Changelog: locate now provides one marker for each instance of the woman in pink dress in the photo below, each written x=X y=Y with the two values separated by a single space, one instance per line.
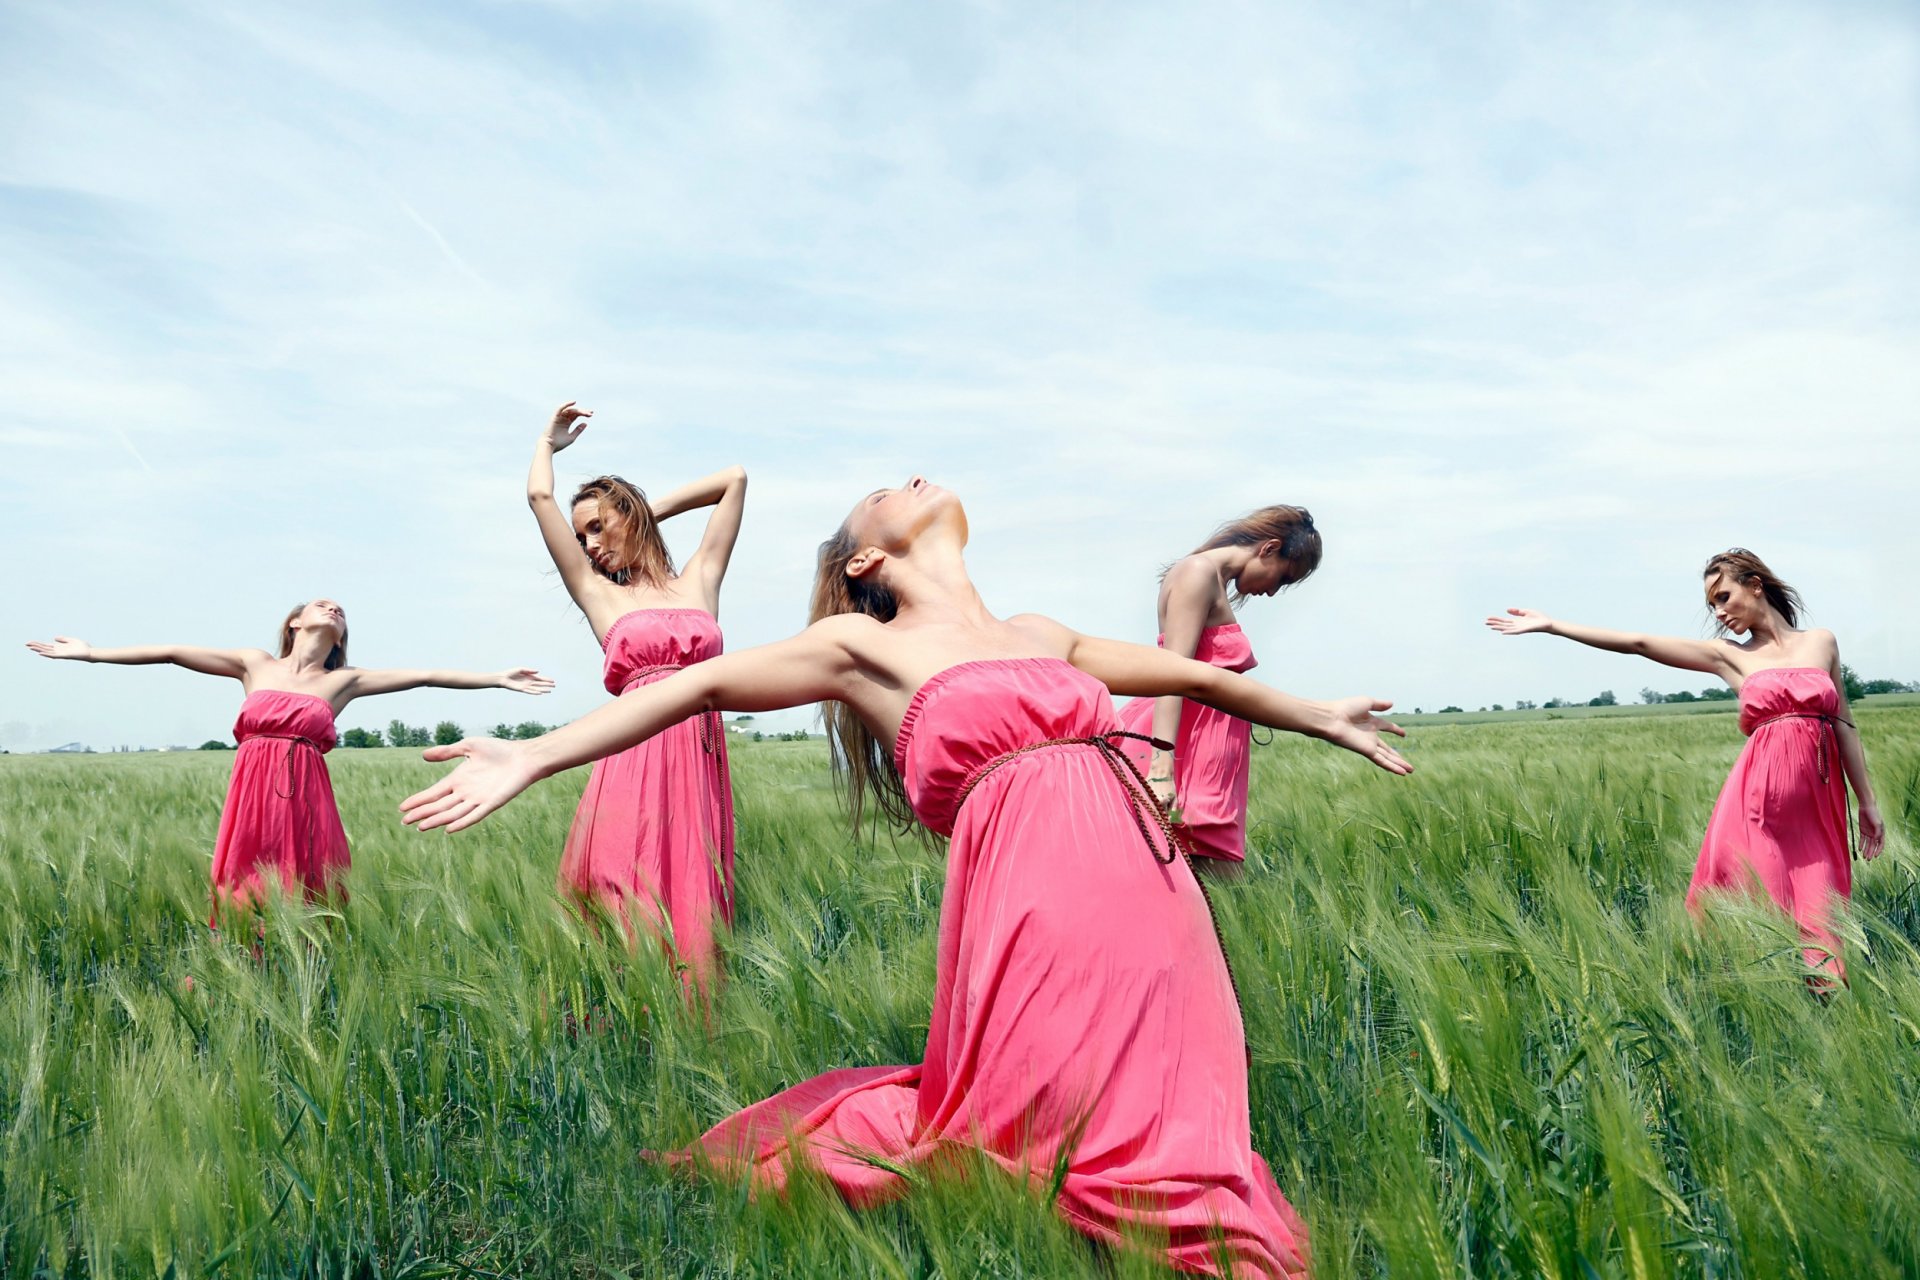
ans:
x=1084 y=1032
x=1196 y=759
x=655 y=825
x=1781 y=819
x=280 y=819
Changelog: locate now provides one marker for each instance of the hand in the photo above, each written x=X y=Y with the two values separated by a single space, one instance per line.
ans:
x=568 y=422
x=491 y=773
x=1529 y=620
x=62 y=647
x=1163 y=791
x=1873 y=832
x=525 y=680
x=1358 y=730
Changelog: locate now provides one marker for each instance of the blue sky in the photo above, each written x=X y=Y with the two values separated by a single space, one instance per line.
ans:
x=1531 y=304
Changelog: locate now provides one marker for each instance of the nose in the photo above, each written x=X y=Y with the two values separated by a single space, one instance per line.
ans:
x=914 y=482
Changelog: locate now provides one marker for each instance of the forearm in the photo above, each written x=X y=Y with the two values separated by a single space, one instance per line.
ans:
x=461 y=680
x=136 y=655
x=704 y=492
x=628 y=720
x=1166 y=728
x=1262 y=704
x=1601 y=637
x=1853 y=760
x=540 y=473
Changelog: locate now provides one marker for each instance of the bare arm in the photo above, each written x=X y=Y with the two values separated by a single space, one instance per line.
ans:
x=726 y=492
x=1191 y=587
x=213 y=662
x=810 y=667
x=1710 y=656
x=368 y=684
x=1853 y=760
x=1140 y=671
x=576 y=571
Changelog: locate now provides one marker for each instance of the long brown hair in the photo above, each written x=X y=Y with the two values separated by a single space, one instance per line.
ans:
x=632 y=534
x=336 y=657
x=860 y=764
x=1291 y=527
x=1749 y=570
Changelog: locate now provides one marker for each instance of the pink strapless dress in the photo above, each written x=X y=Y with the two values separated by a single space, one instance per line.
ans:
x=655 y=824
x=1084 y=1026
x=1781 y=818
x=280 y=816
x=1212 y=756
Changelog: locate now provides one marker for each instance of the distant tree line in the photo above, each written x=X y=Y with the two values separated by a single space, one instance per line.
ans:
x=1856 y=688
x=401 y=734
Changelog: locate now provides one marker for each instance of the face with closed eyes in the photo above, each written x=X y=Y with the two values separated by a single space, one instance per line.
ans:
x=888 y=522
x=323 y=615
x=1736 y=605
x=594 y=536
x=1266 y=572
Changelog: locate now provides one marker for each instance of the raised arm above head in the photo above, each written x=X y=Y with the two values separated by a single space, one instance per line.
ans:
x=1139 y=671
x=556 y=530
x=1713 y=656
x=233 y=663
x=726 y=492
x=813 y=666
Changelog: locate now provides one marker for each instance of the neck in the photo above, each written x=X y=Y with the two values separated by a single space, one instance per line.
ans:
x=310 y=650
x=936 y=589
x=1770 y=629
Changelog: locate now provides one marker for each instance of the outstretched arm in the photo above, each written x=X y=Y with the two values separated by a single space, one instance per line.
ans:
x=367 y=684
x=1673 y=651
x=726 y=492
x=576 y=571
x=212 y=662
x=811 y=667
x=1853 y=759
x=1191 y=586
x=1142 y=672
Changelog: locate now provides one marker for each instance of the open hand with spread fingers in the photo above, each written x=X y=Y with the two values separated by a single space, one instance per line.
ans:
x=1358 y=729
x=525 y=680
x=569 y=420
x=491 y=772
x=1520 y=623
x=62 y=647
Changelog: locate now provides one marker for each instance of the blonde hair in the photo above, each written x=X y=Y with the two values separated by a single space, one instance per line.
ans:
x=336 y=657
x=633 y=535
x=860 y=764
x=1291 y=527
x=1749 y=570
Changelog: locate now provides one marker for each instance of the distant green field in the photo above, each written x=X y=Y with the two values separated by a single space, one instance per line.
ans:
x=1878 y=701
x=1487 y=1039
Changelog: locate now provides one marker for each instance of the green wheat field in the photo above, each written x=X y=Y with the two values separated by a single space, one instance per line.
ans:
x=1487 y=1039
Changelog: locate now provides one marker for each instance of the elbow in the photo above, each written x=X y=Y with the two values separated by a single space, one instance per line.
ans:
x=536 y=496
x=737 y=476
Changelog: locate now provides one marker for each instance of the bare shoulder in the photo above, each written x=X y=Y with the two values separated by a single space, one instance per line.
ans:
x=1192 y=576
x=1050 y=634
x=1824 y=642
x=857 y=635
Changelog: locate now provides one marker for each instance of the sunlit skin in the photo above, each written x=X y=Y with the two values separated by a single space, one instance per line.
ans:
x=584 y=550
x=318 y=627
x=912 y=541
x=1196 y=594
x=1767 y=643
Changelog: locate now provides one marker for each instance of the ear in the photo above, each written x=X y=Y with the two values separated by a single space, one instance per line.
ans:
x=1271 y=547
x=865 y=561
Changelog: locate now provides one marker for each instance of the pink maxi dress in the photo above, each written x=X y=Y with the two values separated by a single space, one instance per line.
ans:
x=280 y=817
x=655 y=824
x=1781 y=818
x=1212 y=757
x=1083 y=1017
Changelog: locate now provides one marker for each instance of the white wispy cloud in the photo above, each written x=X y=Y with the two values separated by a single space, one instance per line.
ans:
x=1529 y=304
